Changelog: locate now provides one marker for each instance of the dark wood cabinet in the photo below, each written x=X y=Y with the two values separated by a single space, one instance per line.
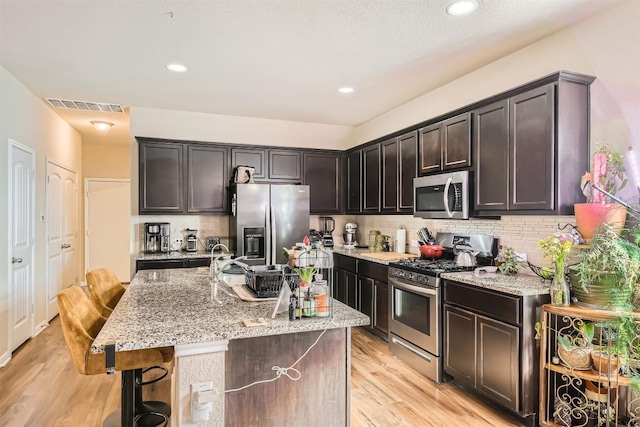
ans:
x=345 y=283
x=322 y=173
x=490 y=346
x=285 y=165
x=531 y=148
x=491 y=151
x=365 y=297
x=161 y=178
x=371 y=178
x=460 y=344
x=254 y=157
x=497 y=372
x=390 y=163
x=354 y=179
x=162 y=264
x=446 y=145
x=207 y=180
x=381 y=307
x=407 y=170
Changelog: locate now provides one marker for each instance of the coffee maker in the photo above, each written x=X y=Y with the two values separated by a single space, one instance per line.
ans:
x=156 y=237
x=328 y=225
x=191 y=240
x=349 y=235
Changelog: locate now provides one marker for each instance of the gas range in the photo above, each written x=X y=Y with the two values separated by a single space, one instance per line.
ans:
x=423 y=272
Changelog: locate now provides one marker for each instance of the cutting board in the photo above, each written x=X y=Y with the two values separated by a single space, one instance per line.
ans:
x=388 y=256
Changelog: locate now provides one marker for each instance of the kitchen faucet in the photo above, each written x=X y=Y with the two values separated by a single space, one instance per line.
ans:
x=217 y=270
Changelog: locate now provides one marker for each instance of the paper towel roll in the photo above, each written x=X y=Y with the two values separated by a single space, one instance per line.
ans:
x=401 y=240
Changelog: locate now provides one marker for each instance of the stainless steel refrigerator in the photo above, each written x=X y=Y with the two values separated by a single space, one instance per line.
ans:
x=267 y=218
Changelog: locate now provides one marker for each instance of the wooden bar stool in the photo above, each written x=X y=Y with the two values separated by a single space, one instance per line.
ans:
x=81 y=323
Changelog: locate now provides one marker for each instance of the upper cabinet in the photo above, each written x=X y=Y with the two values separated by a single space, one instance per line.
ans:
x=371 y=178
x=161 y=178
x=285 y=165
x=207 y=180
x=254 y=157
x=389 y=152
x=446 y=145
x=177 y=178
x=322 y=173
x=399 y=167
x=269 y=164
x=531 y=148
x=354 y=181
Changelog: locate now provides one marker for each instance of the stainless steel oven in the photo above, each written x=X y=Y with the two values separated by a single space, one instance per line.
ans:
x=415 y=321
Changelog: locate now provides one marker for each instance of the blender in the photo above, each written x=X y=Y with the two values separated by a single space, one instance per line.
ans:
x=328 y=225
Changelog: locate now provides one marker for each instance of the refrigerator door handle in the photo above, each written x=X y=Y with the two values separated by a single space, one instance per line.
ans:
x=273 y=237
x=267 y=239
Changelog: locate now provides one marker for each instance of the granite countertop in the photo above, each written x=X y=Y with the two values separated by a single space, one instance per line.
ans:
x=365 y=254
x=519 y=284
x=172 y=255
x=181 y=306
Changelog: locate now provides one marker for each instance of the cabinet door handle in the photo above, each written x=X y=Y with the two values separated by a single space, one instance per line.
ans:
x=15 y=260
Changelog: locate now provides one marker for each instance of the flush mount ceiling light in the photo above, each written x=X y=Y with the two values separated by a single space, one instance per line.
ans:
x=346 y=90
x=102 y=126
x=176 y=68
x=462 y=7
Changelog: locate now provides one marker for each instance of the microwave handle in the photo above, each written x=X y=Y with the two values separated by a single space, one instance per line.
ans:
x=445 y=198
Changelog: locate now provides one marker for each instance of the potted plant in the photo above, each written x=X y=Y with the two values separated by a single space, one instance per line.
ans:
x=509 y=263
x=607 y=174
x=574 y=347
x=609 y=270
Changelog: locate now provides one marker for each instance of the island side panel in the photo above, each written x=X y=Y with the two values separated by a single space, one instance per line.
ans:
x=319 y=398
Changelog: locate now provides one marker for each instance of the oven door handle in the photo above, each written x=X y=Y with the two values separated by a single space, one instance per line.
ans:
x=411 y=288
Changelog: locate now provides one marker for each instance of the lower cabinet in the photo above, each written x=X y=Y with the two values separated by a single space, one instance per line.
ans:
x=161 y=264
x=363 y=285
x=489 y=345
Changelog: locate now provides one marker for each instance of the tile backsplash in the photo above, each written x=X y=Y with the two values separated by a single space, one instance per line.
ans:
x=520 y=232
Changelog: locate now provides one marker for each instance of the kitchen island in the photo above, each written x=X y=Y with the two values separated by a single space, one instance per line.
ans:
x=183 y=308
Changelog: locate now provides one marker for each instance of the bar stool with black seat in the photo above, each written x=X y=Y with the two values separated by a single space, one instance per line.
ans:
x=105 y=290
x=81 y=323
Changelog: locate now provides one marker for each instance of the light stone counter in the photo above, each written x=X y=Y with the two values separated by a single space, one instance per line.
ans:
x=365 y=254
x=180 y=306
x=519 y=284
x=172 y=255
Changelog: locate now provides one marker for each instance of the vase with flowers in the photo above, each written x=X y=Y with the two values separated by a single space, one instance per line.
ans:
x=556 y=248
x=608 y=173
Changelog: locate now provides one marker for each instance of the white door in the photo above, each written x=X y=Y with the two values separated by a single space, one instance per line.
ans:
x=21 y=241
x=62 y=233
x=107 y=219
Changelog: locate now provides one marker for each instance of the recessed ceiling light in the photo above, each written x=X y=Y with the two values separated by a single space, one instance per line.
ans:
x=102 y=126
x=346 y=89
x=176 y=68
x=462 y=7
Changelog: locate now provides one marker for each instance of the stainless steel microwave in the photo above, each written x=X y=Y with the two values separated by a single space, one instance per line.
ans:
x=442 y=196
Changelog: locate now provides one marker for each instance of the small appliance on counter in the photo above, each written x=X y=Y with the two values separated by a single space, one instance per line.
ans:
x=191 y=240
x=314 y=236
x=156 y=237
x=328 y=225
x=212 y=241
x=349 y=235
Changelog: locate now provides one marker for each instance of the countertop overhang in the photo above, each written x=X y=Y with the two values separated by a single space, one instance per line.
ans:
x=182 y=306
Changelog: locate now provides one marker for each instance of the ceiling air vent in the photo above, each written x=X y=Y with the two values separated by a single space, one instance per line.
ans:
x=84 y=105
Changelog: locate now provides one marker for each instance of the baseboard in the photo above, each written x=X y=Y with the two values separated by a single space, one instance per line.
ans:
x=41 y=327
x=5 y=359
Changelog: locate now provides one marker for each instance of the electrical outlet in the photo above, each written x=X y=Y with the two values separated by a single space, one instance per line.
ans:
x=522 y=256
x=205 y=386
x=414 y=243
x=178 y=240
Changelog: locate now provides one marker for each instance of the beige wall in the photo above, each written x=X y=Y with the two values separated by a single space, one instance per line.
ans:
x=26 y=119
x=101 y=160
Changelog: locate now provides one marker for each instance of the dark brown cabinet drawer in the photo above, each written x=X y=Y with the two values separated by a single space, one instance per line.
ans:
x=161 y=264
x=493 y=304
x=373 y=270
x=344 y=262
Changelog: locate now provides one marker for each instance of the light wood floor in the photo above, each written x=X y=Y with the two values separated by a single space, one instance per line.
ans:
x=41 y=388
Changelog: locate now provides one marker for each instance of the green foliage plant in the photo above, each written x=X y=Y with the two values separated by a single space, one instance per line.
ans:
x=511 y=263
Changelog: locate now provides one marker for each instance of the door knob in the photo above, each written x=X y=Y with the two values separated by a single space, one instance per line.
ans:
x=15 y=260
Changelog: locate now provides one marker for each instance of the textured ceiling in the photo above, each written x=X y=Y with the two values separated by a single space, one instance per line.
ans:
x=264 y=58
